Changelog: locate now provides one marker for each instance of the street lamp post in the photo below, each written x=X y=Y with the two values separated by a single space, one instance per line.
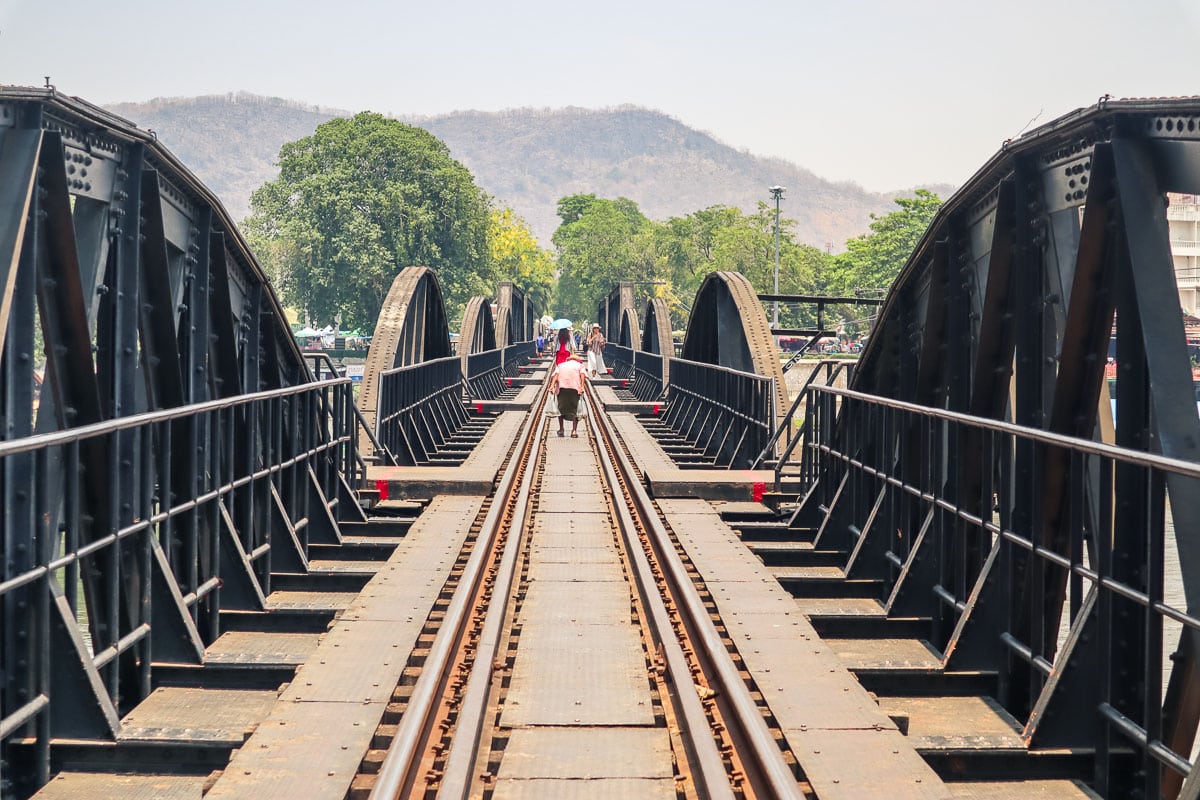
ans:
x=777 y=193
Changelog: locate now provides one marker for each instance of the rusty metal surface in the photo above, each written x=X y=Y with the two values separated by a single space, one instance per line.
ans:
x=728 y=327
x=315 y=737
x=558 y=503
x=600 y=789
x=586 y=753
x=94 y=785
x=563 y=551
x=572 y=484
x=255 y=647
x=179 y=714
x=582 y=572
x=810 y=692
x=546 y=601
x=579 y=675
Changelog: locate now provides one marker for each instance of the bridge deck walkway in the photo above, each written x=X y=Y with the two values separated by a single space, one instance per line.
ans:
x=580 y=681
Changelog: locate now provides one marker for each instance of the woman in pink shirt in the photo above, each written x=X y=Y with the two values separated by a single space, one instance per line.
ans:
x=567 y=384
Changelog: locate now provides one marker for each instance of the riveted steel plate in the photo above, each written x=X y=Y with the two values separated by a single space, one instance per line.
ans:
x=565 y=503
x=588 y=484
x=345 y=566
x=834 y=763
x=309 y=601
x=585 y=537
x=587 y=572
x=91 y=785
x=578 y=675
x=256 y=647
x=355 y=662
x=587 y=753
x=675 y=506
x=546 y=602
x=601 y=789
x=571 y=555
x=905 y=654
x=309 y=750
x=182 y=714
x=498 y=442
x=955 y=723
x=839 y=606
x=573 y=523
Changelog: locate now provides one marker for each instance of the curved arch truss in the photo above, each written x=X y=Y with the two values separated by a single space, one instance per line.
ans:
x=411 y=328
x=656 y=329
x=728 y=327
x=478 y=332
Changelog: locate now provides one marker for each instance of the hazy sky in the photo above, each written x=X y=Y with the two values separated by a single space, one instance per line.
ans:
x=888 y=94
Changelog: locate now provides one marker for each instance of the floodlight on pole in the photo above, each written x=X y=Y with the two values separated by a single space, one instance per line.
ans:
x=777 y=193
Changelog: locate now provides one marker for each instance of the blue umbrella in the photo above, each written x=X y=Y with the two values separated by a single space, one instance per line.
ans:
x=560 y=323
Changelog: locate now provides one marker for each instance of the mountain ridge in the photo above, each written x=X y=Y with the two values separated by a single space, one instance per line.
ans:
x=528 y=158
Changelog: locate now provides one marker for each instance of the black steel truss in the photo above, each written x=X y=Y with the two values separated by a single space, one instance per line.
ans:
x=965 y=470
x=177 y=454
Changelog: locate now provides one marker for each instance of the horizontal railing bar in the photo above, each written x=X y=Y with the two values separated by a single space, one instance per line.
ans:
x=64 y=437
x=14 y=721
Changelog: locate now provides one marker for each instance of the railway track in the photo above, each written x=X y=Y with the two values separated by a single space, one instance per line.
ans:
x=471 y=717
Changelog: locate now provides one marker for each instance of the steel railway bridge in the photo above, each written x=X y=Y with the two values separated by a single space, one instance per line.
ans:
x=966 y=565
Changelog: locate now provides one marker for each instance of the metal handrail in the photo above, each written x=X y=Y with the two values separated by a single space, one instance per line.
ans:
x=868 y=455
x=833 y=367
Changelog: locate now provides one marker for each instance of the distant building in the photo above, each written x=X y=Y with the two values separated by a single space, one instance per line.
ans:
x=1183 y=219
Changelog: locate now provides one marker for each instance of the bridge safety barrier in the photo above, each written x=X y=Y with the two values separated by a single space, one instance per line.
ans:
x=725 y=414
x=485 y=374
x=643 y=370
x=420 y=409
x=126 y=539
x=1049 y=561
x=516 y=356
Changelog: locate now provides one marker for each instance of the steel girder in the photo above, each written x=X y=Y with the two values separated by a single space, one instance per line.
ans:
x=1004 y=313
x=148 y=305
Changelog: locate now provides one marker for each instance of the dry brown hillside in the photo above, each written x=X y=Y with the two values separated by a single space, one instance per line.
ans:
x=527 y=159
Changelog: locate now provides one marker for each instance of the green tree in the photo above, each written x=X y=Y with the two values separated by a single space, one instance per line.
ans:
x=358 y=201
x=873 y=260
x=722 y=238
x=517 y=257
x=599 y=242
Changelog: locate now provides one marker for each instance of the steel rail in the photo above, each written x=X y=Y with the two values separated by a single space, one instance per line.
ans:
x=404 y=752
x=703 y=752
x=764 y=755
x=464 y=750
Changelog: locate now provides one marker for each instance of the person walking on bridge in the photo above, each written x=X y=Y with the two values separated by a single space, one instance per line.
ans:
x=567 y=385
x=564 y=346
x=595 y=344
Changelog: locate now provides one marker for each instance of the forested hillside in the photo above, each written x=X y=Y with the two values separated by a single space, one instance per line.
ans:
x=528 y=159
